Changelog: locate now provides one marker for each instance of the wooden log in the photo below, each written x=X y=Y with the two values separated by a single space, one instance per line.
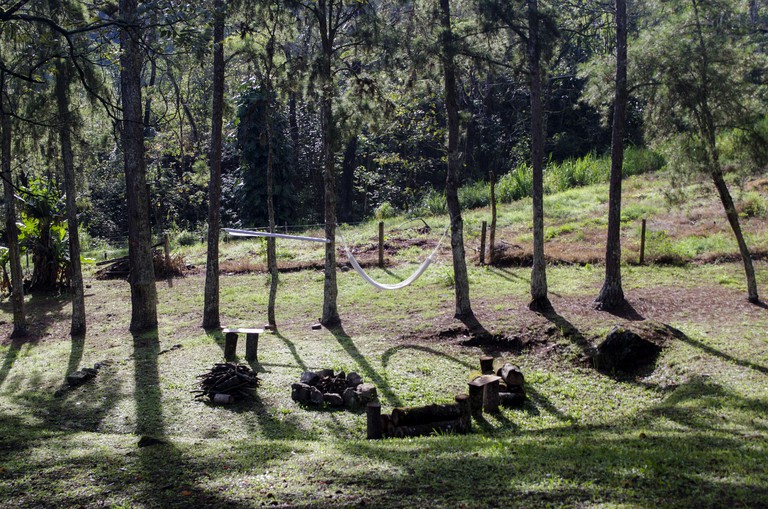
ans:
x=387 y=429
x=462 y=400
x=475 y=399
x=413 y=416
x=512 y=399
x=491 y=397
x=452 y=426
x=486 y=364
x=512 y=376
x=251 y=346
x=373 y=420
x=230 y=345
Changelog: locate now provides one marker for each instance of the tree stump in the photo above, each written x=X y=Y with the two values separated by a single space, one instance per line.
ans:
x=486 y=365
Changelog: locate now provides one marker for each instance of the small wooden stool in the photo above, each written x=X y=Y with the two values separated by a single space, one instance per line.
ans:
x=251 y=343
x=484 y=394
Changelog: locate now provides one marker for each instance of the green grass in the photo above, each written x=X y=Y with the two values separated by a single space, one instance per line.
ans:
x=690 y=432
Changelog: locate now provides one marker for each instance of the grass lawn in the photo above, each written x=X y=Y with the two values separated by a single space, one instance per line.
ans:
x=691 y=431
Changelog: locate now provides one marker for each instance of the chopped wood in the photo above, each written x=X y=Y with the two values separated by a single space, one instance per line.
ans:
x=412 y=416
x=227 y=379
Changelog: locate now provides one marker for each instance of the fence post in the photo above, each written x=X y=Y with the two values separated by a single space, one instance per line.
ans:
x=482 y=242
x=167 y=249
x=381 y=244
x=642 y=243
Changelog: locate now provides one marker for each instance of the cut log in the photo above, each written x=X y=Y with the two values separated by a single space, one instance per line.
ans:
x=512 y=376
x=373 y=420
x=251 y=346
x=414 y=416
x=462 y=400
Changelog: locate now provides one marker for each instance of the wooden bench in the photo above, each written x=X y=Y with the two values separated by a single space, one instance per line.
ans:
x=251 y=342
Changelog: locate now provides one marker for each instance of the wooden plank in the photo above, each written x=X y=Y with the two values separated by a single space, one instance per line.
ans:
x=242 y=330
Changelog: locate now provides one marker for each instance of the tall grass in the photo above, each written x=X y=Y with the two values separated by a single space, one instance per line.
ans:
x=518 y=183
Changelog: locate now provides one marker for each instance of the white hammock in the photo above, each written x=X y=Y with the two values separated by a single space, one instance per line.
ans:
x=251 y=233
x=395 y=286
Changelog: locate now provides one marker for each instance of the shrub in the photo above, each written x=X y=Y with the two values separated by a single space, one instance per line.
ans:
x=753 y=204
x=475 y=195
x=432 y=204
x=187 y=238
x=515 y=185
x=385 y=211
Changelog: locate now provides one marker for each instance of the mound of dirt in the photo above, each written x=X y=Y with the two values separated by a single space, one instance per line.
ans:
x=632 y=348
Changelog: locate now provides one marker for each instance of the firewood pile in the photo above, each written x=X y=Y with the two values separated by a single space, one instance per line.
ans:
x=227 y=383
x=119 y=268
x=335 y=390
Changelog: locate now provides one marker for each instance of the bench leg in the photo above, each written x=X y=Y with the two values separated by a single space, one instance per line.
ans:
x=251 y=347
x=230 y=345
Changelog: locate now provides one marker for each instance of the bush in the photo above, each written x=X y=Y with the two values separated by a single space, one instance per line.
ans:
x=753 y=204
x=475 y=195
x=515 y=185
x=432 y=204
x=641 y=160
x=187 y=238
x=385 y=211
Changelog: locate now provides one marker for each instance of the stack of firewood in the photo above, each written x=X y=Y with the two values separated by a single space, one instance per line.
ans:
x=226 y=383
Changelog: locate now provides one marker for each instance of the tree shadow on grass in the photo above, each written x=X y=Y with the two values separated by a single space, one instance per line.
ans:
x=568 y=330
x=10 y=358
x=386 y=356
x=722 y=355
x=43 y=311
x=294 y=352
x=566 y=467
x=368 y=371
x=626 y=311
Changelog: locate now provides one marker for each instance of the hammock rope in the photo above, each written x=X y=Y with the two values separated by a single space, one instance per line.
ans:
x=395 y=286
x=251 y=233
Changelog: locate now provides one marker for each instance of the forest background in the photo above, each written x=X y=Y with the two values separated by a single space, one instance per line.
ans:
x=348 y=96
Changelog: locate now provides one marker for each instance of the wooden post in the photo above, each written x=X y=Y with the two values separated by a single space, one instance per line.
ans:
x=466 y=412
x=373 y=419
x=491 y=397
x=251 y=346
x=167 y=249
x=486 y=365
x=230 y=345
x=475 y=399
x=381 y=244
x=482 y=242
x=642 y=243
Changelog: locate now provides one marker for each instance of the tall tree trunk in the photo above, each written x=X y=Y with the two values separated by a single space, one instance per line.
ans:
x=211 y=318
x=142 y=278
x=612 y=295
x=539 y=299
x=733 y=220
x=271 y=241
x=65 y=124
x=11 y=230
x=463 y=306
x=330 y=315
x=492 y=232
